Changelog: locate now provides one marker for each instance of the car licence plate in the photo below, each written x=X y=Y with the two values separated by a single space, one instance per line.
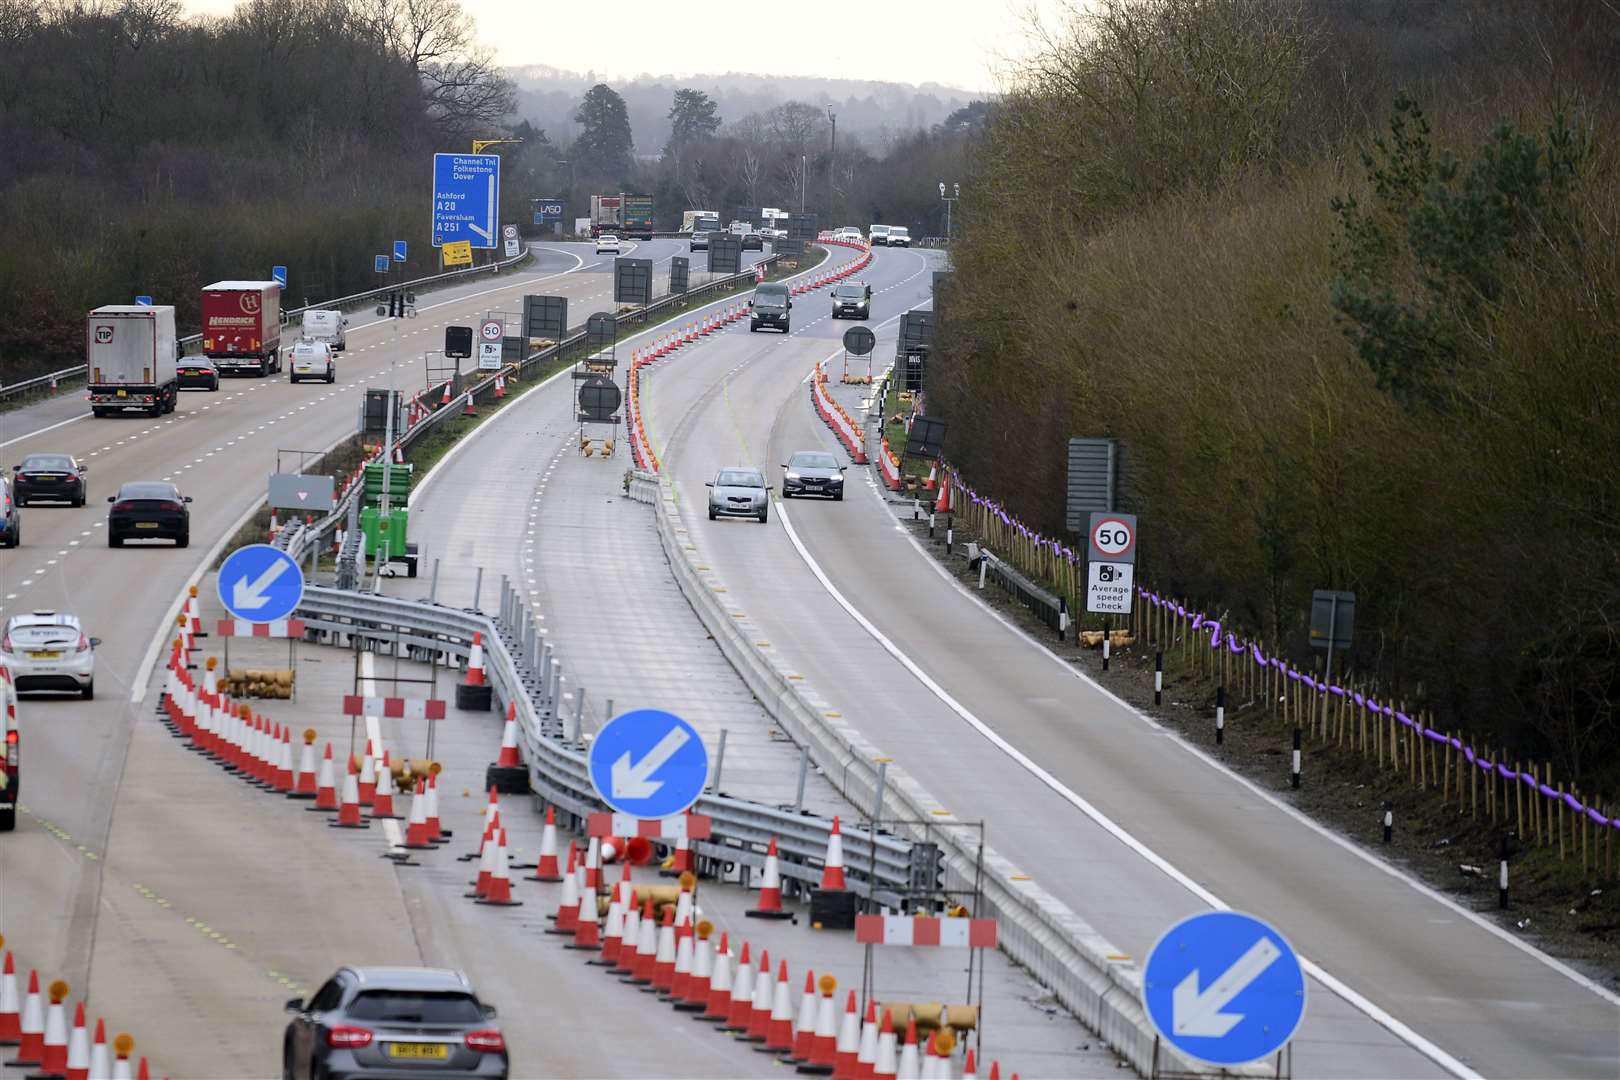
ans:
x=433 y=1051
x=49 y=654
x=123 y=393
x=146 y=525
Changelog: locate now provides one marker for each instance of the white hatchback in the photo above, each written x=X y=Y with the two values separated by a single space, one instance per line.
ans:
x=47 y=650
x=312 y=360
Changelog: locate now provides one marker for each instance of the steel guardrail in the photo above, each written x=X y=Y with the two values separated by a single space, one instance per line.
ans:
x=339 y=303
x=558 y=770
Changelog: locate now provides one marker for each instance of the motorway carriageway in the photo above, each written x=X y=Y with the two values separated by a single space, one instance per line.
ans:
x=64 y=894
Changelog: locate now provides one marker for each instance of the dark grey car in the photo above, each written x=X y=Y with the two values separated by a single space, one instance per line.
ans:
x=813 y=472
x=739 y=492
x=389 y=1022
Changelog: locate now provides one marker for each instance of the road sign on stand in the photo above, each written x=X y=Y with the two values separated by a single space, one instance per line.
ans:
x=1108 y=588
x=298 y=491
x=1224 y=988
x=144 y=301
x=466 y=198
x=379 y=263
x=1113 y=538
x=491 y=336
x=259 y=583
x=399 y=251
x=279 y=273
x=649 y=764
x=509 y=236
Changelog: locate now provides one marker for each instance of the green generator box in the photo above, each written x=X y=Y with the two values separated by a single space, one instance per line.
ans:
x=377 y=529
x=399 y=483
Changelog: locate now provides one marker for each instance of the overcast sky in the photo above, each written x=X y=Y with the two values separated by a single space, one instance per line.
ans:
x=956 y=42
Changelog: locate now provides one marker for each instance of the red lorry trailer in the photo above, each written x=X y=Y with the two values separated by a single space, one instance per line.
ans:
x=242 y=326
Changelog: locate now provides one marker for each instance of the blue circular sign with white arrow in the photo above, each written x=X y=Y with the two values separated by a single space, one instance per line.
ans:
x=1224 y=988
x=649 y=764
x=261 y=584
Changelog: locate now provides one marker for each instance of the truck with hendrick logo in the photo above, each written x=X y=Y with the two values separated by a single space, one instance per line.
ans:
x=242 y=326
x=129 y=354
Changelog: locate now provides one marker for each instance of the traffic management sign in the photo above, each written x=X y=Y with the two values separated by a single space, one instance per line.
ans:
x=399 y=250
x=144 y=301
x=649 y=764
x=1108 y=588
x=1224 y=988
x=279 y=273
x=1113 y=538
x=259 y=583
x=466 y=198
x=379 y=263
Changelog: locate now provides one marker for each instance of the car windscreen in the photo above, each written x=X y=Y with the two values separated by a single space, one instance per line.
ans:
x=47 y=463
x=148 y=491
x=770 y=296
x=415 y=1007
x=852 y=292
x=706 y=224
x=812 y=461
x=740 y=478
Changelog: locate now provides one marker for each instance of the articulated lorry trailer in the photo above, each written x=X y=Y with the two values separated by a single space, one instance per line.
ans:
x=130 y=351
x=242 y=326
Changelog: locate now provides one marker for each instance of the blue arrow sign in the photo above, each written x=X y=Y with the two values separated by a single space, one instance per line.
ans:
x=1224 y=988
x=399 y=251
x=649 y=764
x=280 y=274
x=466 y=198
x=260 y=584
x=379 y=263
x=144 y=301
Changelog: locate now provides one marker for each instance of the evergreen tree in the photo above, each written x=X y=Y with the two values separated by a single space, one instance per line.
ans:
x=603 y=147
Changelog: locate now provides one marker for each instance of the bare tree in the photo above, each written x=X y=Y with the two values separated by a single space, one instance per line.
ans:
x=460 y=82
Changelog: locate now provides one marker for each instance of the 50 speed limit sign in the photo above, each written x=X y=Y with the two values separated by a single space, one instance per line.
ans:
x=1113 y=538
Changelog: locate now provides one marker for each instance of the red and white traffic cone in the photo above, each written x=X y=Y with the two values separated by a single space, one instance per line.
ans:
x=445 y=398
x=770 y=890
x=681 y=861
x=718 y=998
x=78 y=1050
x=568 y=907
x=587 y=925
x=593 y=864
x=416 y=828
x=54 y=1046
x=779 y=1030
x=832 y=872
x=684 y=940
x=646 y=958
x=933 y=477
x=500 y=881
x=10 y=1008
x=886 y=1063
x=804 y=1028
x=848 y=1045
x=625 y=961
x=910 y=1066
x=942 y=505
x=759 y=1009
x=284 y=763
x=970 y=1067
x=697 y=984
x=349 y=810
x=100 y=1060
x=742 y=994
x=486 y=870
x=475 y=660
x=546 y=868
x=31 y=1033
x=435 y=832
x=367 y=779
x=509 y=758
x=824 y=1043
x=500 y=385
x=663 y=961
x=382 y=800
x=866 y=1052
x=468 y=407
x=326 y=795
x=305 y=784
x=612 y=934
x=123 y=1046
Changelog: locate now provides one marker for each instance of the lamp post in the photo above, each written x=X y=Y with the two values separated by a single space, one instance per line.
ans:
x=956 y=193
x=832 y=159
x=804 y=179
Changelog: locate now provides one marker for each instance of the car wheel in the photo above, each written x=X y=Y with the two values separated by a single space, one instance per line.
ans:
x=293 y=379
x=331 y=377
x=114 y=541
x=8 y=819
x=763 y=516
x=838 y=496
x=88 y=691
x=286 y=1064
x=183 y=540
x=712 y=514
x=21 y=502
x=214 y=385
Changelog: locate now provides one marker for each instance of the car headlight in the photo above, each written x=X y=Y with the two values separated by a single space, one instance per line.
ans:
x=794 y=476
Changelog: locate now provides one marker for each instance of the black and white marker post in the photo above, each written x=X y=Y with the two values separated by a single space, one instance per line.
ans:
x=1063 y=619
x=1502 y=877
x=1108 y=633
x=1294 y=780
x=1389 y=820
x=1158 y=676
x=1220 y=715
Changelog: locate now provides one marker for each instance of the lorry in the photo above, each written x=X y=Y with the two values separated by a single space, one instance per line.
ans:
x=327 y=327
x=624 y=216
x=242 y=326
x=689 y=218
x=638 y=217
x=607 y=212
x=130 y=353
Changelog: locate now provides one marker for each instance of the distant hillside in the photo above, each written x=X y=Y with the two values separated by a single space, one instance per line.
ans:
x=875 y=112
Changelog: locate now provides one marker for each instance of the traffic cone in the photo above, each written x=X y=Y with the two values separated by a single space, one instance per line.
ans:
x=100 y=1066
x=933 y=477
x=970 y=1068
x=593 y=864
x=759 y=1007
x=54 y=1047
x=824 y=1042
x=435 y=833
x=141 y=1072
x=779 y=1030
x=500 y=882
x=305 y=785
x=500 y=385
x=832 y=873
x=326 y=790
x=848 y=1045
x=546 y=868
x=416 y=830
x=568 y=907
x=78 y=1050
x=587 y=926
x=886 y=1062
x=940 y=1048
x=662 y=968
x=683 y=966
x=382 y=800
x=468 y=408
x=742 y=994
x=486 y=870
x=646 y=955
x=367 y=780
x=866 y=1052
x=909 y=1067
x=612 y=935
x=696 y=994
x=625 y=963
x=123 y=1046
x=681 y=861
x=10 y=1010
x=284 y=761
x=445 y=399
x=770 y=890
x=508 y=758
x=475 y=660
x=804 y=1029
x=718 y=997
x=31 y=1035
x=942 y=505
x=349 y=812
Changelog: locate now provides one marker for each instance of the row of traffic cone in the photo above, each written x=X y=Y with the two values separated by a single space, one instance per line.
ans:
x=849 y=433
x=46 y=1045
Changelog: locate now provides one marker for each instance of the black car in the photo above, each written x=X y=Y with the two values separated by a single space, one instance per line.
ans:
x=49 y=477
x=197 y=371
x=852 y=298
x=753 y=242
x=386 y=1021
x=149 y=510
x=813 y=472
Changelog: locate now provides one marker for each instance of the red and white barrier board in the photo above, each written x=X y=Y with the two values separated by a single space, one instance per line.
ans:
x=951 y=932
x=684 y=827
x=242 y=628
x=397 y=708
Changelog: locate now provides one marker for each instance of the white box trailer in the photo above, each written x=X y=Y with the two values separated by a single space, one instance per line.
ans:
x=130 y=351
x=327 y=327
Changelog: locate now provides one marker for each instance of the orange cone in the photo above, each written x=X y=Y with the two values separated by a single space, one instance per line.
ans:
x=770 y=890
x=475 y=660
x=568 y=908
x=759 y=1009
x=546 y=868
x=500 y=882
x=305 y=785
x=382 y=800
x=625 y=964
x=832 y=873
x=10 y=1011
x=933 y=477
x=942 y=505
x=349 y=811
x=848 y=1046
x=719 y=991
x=326 y=797
x=78 y=1051
x=742 y=994
x=587 y=928
x=416 y=829
x=54 y=1045
x=779 y=1030
x=508 y=758
x=367 y=780
x=31 y=1038
x=804 y=1031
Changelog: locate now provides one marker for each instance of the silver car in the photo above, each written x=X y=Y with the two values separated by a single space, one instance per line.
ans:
x=47 y=650
x=739 y=492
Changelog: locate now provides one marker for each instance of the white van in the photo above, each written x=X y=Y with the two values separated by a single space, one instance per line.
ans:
x=312 y=360
x=327 y=327
x=877 y=234
x=899 y=236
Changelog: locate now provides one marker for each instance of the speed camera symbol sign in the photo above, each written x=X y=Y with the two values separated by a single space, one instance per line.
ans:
x=1113 y=538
